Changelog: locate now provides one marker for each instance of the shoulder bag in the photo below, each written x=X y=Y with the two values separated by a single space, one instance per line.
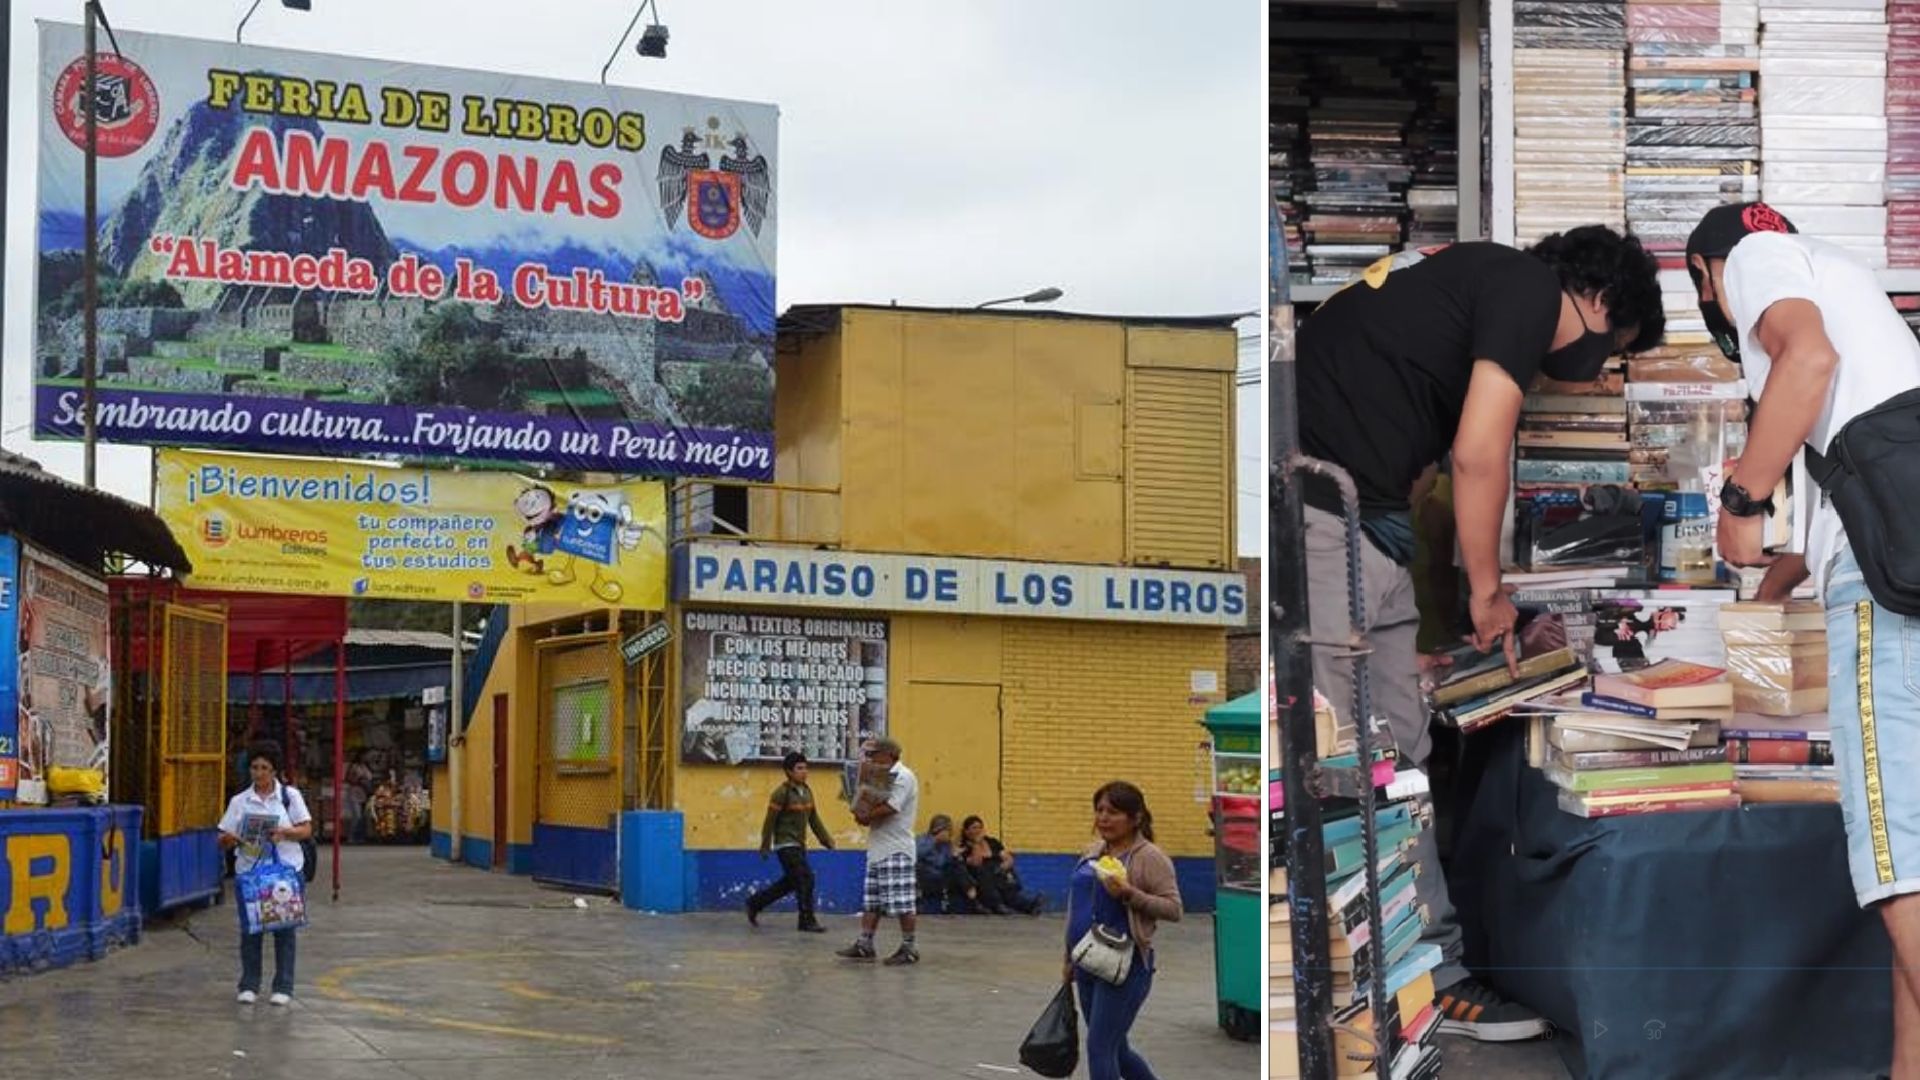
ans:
x=1870 y=473
x=309 y=851
x=1105 y=954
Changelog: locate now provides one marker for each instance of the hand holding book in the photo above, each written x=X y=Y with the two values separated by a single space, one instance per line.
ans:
x=1494 y=617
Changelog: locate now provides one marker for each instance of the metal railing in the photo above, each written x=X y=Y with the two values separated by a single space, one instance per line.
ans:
x=767 y=513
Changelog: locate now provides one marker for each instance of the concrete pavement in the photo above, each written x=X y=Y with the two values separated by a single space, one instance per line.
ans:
x=433 y=972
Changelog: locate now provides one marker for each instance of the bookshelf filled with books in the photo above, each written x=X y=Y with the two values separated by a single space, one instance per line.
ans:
x=1374 y=133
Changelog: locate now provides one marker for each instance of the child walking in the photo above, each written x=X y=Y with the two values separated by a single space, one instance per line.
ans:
x=789 y=815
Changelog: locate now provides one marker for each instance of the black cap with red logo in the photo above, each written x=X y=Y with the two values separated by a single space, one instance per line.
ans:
x=1714 y=238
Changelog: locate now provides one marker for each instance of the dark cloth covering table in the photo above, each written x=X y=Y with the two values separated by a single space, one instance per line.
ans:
x=1697 y=945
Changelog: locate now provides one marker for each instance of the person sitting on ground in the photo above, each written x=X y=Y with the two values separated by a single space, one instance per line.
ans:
x=944 y=884
x=990 y=866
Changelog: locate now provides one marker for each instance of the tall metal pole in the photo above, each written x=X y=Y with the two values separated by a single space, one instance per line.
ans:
x=90 y=271
x=339 y=750
x=1288 y=631
x=456 y=735
x=6 y=76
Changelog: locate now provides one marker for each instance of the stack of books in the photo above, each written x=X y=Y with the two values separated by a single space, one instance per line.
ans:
x=1777 y=656
x=1411 y=1014
x=1693 y=136
x=1823 y=102
x=1356 y=143
x=1573 y=439
x=1565 y=725
x=1908 y=305
x=1606 y=783
x=1350 y=929
x=1287 y=103
x=1480 y=691
x=1782 y=759
x=1433 y=200
x=1363 y=120
x=1570 y=134
x=1903 y=133
x=1582 y=428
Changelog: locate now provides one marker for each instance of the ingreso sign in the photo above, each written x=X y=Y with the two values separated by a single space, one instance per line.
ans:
x=314 y=254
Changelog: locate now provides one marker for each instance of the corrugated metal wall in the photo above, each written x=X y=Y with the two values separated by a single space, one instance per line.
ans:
x=1179 y=467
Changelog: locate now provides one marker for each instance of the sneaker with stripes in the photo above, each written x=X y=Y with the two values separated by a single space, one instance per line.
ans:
x=1478 y=1011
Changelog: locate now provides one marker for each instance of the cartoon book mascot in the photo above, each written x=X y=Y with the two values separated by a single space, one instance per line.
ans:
x=540 y=519
x=598 y=526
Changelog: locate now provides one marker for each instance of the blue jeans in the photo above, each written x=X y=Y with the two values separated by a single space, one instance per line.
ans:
x=251 y=948
x=1110 y=1012
x=1875 y=712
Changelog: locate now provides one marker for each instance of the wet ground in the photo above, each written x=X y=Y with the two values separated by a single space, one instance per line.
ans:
x=432 y=972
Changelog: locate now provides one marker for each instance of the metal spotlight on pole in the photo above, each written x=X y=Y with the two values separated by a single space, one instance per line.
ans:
x=1038 y=296
x=291 y=5
x=653 y=40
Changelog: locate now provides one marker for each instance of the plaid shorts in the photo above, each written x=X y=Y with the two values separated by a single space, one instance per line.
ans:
x=891 y=889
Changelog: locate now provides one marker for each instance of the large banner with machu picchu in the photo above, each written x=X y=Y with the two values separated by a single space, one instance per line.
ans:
x=313 y=254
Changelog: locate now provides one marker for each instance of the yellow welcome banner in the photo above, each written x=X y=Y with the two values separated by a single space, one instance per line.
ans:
x=340 y=528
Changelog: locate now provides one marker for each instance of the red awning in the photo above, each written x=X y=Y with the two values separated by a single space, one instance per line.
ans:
x=265 y=631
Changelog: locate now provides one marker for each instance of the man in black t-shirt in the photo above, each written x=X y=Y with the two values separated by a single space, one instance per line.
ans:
x=1429 y=356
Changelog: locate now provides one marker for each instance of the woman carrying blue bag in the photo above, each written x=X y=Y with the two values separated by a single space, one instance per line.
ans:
x=265 y=824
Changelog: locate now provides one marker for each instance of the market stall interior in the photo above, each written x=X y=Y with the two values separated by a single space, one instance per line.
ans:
x=1680 y=831
x=396 y=687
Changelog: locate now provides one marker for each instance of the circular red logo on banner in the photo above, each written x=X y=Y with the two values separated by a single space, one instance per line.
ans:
x=1763 y=218
x=126 y=107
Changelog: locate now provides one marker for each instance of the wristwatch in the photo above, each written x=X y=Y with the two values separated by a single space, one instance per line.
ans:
x=1739 y=502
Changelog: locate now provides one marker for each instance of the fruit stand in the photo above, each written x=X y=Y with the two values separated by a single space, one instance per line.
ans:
x=1239 y=915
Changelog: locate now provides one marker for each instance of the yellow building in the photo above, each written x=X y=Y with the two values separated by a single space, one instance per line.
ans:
x=1005 y=539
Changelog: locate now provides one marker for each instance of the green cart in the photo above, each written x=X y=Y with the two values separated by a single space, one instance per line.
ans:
x=1239 y=916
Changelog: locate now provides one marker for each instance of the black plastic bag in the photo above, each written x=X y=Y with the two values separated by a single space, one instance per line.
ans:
x=1052 y=1046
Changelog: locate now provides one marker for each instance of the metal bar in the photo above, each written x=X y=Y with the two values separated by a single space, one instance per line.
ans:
x=254 y=714
x=1468 y=138
x=6 y=110
x=339 y=751
x=286 y=708
x=627 y=33
x=1369 y=826
x=1500 y=85
x=241 y=30
x=456 y=743
x=1293 y=671
x=90 y=268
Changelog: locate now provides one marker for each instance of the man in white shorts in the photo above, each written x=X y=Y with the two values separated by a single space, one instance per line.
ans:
x=1820 y=344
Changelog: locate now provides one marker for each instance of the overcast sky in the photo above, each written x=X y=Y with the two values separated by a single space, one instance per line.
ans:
x=930 y=153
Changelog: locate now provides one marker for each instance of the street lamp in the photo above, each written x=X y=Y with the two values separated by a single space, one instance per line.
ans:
x=1039 y=296
x=653 y=40
x=292 y=5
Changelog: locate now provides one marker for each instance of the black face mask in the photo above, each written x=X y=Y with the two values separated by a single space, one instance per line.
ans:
x=1581 y=359
x=1722 y=330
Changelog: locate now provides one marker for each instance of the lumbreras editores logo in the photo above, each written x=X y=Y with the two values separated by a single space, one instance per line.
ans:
x=214 y=532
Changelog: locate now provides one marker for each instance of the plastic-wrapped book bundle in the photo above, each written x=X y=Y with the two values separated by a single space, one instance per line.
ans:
x=1693 y=134
x=1903 y=133
x=1570 y=132
x=1823 y=119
